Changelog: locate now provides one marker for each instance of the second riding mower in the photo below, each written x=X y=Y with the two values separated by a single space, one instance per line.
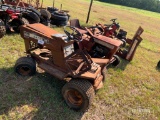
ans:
x=97 y=32
x=113 y=30
x=109 y=30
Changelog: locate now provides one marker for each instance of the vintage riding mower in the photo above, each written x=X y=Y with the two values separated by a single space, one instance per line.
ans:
x=114 y=38
x=55 y=53
x=12 y=18
x=125 y=53
x=109 y=30
x=113 y=30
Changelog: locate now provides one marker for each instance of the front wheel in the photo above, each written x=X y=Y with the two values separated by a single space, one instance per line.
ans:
x=78 y=94
x=25 y=66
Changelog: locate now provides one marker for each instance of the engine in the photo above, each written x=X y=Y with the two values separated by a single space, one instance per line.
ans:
x=121 y=34
x=99 y=51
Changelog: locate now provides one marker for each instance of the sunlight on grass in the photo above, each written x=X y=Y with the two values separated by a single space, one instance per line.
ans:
x=149 y=46
x=129 y=86
x=16 y=112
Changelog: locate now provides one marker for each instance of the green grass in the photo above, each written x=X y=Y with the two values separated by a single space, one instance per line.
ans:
x=131 y=90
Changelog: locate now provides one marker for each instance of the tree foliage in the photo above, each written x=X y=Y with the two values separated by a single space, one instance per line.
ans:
x=151 y=5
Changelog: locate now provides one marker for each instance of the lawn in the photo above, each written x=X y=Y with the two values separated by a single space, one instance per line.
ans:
x=131 y=90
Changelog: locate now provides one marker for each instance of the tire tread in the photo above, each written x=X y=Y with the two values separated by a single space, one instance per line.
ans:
x=26 y=60
x=85 y=86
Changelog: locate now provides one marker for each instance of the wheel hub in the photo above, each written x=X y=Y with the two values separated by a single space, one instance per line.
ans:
x=24 y=70
x=74 y=97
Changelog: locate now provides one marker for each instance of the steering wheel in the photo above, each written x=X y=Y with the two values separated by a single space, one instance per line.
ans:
x=94 y=31
x=75 y=35
x=113 y=20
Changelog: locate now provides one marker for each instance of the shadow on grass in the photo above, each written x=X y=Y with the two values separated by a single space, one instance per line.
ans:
x=122 y=66
x=37 y=97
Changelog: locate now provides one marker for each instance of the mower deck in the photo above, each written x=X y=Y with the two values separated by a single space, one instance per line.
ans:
x=43 y=57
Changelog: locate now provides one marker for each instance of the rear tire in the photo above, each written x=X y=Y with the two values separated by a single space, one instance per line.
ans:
x=158 y=64
x=25 y=66
x=124 y=42
x=46 y=14
x=52 y=9
x=2 y=29
x=117 y=61
x=31 y=17
x=59 y=18
x=78 y=94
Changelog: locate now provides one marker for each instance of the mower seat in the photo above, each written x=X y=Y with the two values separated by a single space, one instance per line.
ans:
x=75 y=23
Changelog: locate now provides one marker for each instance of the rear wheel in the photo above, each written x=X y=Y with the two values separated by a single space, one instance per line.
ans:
x=31 y=17
x=59 y=18
x=116 y=61
x=124 y=42
x=46 y=14
x=52 y=9
x=2 y=29
x=158 y=64
x=78 y=94
x=25 y=66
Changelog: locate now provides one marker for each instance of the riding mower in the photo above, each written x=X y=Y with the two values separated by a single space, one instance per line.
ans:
x=109 y=30
x=100 y=32
x=57 y=55
x=113 y=30
x=11 y=18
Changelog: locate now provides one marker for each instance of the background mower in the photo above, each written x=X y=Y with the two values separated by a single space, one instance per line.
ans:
x=12 y=18
x=36 y=13
x=97 y=34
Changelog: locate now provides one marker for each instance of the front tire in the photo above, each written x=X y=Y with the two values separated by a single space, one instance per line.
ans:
x=25 y=66
x=78 y=94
